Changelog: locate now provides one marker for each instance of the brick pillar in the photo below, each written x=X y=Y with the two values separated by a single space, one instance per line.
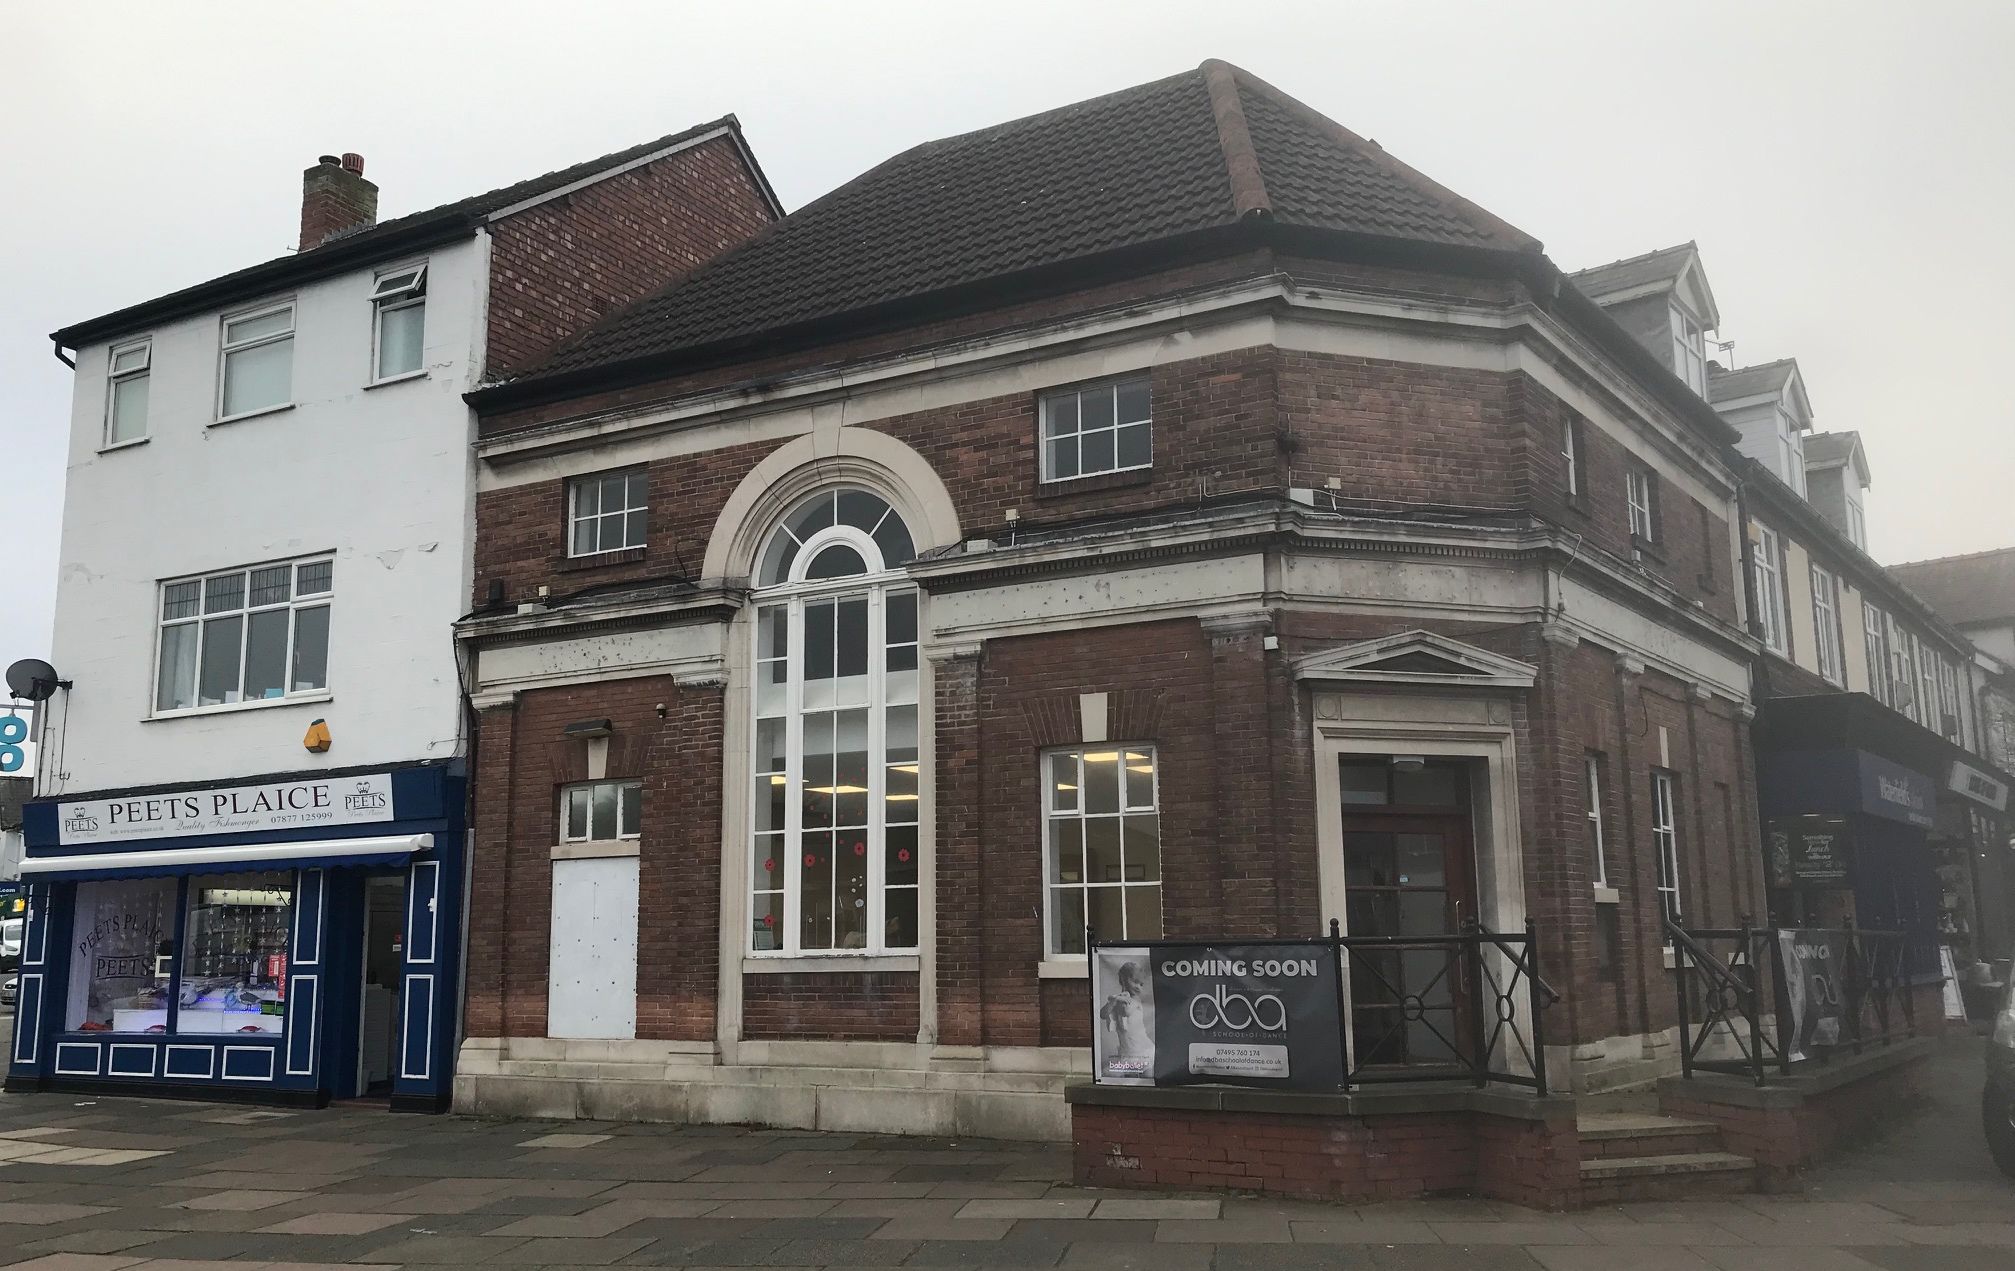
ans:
x=1248 y=848
x=1560 y=865
x=490 y=872
x=959 y=902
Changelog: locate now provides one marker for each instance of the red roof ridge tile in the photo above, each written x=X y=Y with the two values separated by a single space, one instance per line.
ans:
x=1241 y=160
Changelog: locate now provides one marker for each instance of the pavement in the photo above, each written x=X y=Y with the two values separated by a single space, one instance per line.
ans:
x=102 y=1184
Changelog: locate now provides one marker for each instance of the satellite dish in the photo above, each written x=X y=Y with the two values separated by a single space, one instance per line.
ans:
x=33 y=679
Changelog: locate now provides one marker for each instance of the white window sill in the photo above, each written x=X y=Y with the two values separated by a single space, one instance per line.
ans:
x=1102 y=472
x=252 y=414
x=127 y=444
x=1063 y=969
x=1605 y=895
x=600 y=849
x=397 y=379
x=1671 y=958
x=829 y=963
x=230 y=708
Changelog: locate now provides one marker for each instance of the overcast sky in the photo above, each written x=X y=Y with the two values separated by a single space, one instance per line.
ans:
x=1845 y=166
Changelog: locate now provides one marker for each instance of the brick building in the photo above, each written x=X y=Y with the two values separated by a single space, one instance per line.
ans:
x=1170 y=514
x=248 y=845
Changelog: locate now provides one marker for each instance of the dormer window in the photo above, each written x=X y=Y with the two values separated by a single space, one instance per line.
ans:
x=1689 y=350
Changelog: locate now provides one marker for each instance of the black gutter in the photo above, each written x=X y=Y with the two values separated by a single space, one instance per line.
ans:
x=330 y=258
x=61 y=356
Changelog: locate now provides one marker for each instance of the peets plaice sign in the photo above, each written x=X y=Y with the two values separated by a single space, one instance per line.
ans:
x=1247 y=1015
x=305 y=804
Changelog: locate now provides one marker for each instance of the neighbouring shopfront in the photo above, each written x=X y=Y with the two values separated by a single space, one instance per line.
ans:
x=1874 y=822
x=290 y=939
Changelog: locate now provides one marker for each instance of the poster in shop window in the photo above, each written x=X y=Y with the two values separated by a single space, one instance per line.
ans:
x=1246 y=1015
x=1815 y=990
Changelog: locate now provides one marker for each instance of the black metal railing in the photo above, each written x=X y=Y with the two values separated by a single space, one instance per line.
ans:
x=1467 y=1007
x=1734 y=997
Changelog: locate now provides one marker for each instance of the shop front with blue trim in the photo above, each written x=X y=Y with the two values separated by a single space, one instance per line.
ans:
x=293 y=939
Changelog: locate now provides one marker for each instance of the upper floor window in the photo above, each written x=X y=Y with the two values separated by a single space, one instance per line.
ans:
x=1826 y=624
x=1689 y=350
x=1767 y=565
x=607 y=512
x=258 y=362
x=1857 y=525
x=602 y=811
x=1927 y=684
x=1793 y=447
x=1902 y=670
x=1096 y=428
x=1101 y=845
x=128 y=367
x=1570 y=452
x=834 y=848
x=244 y=635
x=1948 y=701
x=1641 y=495
x=399 y=316
x=1875 y=642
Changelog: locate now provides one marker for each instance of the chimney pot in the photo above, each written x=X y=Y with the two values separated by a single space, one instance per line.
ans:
x=335 y=198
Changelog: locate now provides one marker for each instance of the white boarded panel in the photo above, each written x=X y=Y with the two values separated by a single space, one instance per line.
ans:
x=592 y=991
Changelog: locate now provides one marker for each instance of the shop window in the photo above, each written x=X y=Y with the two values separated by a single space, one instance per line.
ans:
x=1095 y=429
x=834 y=850
x=1101 y=845
x=244 y=635
x=122 y=956
x=234 y=965
x=602 y=811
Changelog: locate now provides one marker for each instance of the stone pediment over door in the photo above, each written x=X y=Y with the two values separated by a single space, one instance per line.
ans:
x=1415 y=658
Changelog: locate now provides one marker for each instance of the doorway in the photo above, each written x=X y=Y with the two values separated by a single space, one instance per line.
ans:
x=384 y=953
x=1409 y=873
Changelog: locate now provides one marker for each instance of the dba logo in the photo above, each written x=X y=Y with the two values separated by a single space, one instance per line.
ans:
x=1222 y=1008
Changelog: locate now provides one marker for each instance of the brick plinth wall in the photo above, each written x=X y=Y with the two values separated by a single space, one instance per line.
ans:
x=1785 y=1128
x=1376 y=1156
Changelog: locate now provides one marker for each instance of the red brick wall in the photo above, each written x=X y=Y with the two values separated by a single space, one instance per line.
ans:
x=522 y=763
x=558 y=267
x=831 y=1006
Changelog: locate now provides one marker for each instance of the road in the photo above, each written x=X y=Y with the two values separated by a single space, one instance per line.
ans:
x=118 y=1184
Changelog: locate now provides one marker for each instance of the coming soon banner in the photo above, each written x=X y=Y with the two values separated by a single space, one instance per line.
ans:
x=1247 y=1015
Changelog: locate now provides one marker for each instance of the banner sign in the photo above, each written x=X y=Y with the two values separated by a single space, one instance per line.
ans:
x=1893 y=791
x=308 y=803
x=1815 y=989
x=1244 y=1015
x=1978 y=786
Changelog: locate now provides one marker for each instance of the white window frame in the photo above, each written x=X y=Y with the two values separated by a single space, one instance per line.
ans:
x=1948 y=701
x=789 y=598
x=1638 y=494
x=1592 y=786
x=1927 y=683
x=1130 y=758
x=1689 y=350
x=295 y=603
x=116 y=377
x=1077 y=395
x=1875 y=651
x=1767 y=566
x=401 y=287
x=225 y=348
x=1826 y=625
x=1857 y=523
x=1570 y=450
x=629 y=796
x=1902 y=671
x=633 y=479
x=1665 y=843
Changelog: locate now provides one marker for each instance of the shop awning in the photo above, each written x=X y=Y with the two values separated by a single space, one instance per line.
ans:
x=307 y=854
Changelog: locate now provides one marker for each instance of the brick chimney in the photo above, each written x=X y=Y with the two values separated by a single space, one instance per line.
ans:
x=335 y=197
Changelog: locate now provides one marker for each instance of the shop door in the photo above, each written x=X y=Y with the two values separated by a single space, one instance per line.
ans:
x=1409 y=872
x=384 y=939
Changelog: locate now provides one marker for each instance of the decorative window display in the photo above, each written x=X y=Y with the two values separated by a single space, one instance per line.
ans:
x=234 y=968
x=1102 y=838
x=123 y=952
x=834 y=852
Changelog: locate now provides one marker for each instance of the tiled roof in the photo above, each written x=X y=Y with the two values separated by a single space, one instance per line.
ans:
x=1823 y=448
x=446 y=218
x=1179 y=156
x=1750 y=381
x=1965 y=589
x=1663 y=265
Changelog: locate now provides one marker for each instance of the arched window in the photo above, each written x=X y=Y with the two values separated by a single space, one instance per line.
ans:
x=833 y=860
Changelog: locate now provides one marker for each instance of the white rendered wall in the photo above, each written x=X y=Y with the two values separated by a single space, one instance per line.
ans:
x=379 y=476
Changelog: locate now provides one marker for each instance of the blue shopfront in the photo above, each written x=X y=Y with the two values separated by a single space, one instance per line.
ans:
x=288 y=939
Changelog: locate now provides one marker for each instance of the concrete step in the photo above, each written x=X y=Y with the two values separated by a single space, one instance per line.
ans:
x=1667 y=1177
x=1642 y=1134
